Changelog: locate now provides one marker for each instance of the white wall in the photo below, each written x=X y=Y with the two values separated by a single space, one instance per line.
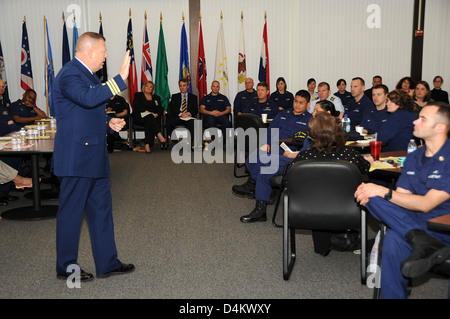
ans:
x=325 y=39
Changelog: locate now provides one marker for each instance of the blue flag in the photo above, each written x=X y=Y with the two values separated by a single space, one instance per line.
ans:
x=185 y=73
x=3 y=75
x=50 y=73
x=26 y=74
x=65 y=47
x=102 y=73
x=75 y=37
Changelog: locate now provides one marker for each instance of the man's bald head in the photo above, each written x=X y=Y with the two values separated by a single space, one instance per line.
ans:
x=91 y=50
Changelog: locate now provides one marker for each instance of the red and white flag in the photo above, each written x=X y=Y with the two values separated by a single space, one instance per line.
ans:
x=242 y=65
x=201 y=66
x=146 y=69
x=264 y=75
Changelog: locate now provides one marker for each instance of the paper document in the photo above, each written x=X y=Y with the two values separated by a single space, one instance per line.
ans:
x=144 y=114
x=187 y=118
x=286 y=148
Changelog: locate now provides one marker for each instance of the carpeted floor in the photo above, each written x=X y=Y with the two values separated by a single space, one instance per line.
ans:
x=179 y=224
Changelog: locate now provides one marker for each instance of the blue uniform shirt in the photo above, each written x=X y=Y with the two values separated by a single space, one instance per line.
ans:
x=244 y=99
x=345 y=97
x=420 y=175
x=289 y=124
x=285 y=100
x=5 y=117
x=215 y=102
x=372 y=118
x=20 y=109
x=397 y=130
x=355 y=110
x=267 y=107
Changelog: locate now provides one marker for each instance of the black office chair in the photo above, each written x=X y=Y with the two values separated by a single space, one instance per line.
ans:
x=133 y=128
x=245 y=122
x=320 y=195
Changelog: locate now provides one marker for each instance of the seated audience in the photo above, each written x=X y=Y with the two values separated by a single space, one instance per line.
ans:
x=342 y=93
x=376 y=80
x=422 y=193
x=406 y=84
x=25 y=112
x=282 y=98
x=147 y=112
x=397 y=129
x=437 y=94
x=263 y=105
x=182 y=110
x=376 y=113
x=422 y=95
x=290 y=123
x=117 y=106
x=216 y=109
x=245 y=98
x=359 y=104
x=7 y=124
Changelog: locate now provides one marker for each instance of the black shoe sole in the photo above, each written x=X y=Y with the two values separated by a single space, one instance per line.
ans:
x=82 y=279
x=112 y=273
x=415 y=268
x=253 y=220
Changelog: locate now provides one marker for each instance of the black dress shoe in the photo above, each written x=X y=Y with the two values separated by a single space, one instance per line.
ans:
x=84 y=276
x=124 y=269
x=258 y=214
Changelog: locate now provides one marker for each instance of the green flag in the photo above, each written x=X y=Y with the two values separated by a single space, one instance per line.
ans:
x=161 y=84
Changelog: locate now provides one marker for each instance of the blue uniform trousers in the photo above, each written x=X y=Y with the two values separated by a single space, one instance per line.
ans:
x=395 y=246
x=262 y=178
x=91 y=196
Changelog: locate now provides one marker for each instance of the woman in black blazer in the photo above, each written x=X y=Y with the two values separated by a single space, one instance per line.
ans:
x=147 y=112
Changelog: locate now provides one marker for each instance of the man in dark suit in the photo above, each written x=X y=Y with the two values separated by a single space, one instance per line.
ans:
x=80 y=159
x=177 y=114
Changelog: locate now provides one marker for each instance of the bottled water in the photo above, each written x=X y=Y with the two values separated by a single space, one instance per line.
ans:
x=411 y=146
x=346 y=123
x=23 y=135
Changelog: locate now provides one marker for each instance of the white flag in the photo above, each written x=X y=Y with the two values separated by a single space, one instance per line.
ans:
x=242 y=67
x=221 y=71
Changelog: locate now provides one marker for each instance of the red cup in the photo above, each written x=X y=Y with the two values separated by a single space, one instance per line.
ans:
x=375 y=150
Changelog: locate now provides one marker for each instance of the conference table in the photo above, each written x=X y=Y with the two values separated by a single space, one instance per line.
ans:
x=41 y=145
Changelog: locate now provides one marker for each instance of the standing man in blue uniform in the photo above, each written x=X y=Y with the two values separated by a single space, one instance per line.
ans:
x=216 y=108
x=359 y=104
x=289 y=123
x=375 y=114
x=422 y=193
x=80 y=158
x=25 y=111
x=245 y=98
x=263 y=105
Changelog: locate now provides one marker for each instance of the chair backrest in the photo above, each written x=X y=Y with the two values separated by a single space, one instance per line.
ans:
x=321 y=195
x=246 y=121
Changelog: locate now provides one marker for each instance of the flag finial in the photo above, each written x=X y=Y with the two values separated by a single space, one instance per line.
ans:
x=145 y=15
x=73 y=11
x=160 y=17
x=129 y=14
x=24 y=19
x=182 y=16
x=100 y=16
x=265 y=16
x=200 y=16
x=63 y=17
x=242 y=16
x=221 y=15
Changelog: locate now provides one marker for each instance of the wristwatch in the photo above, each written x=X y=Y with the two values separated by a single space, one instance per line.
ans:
x=388 y=195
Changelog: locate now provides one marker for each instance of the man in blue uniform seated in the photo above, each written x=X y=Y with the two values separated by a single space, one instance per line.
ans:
x=25 y=112
x=263 y=105
x=216 y=108
x=289 y=123
x=422 y=193
x=397 y=129
x=245 y=98
x=376 y=80
x=4 y=100
x=375 y=114
x=324 y=93
x=117 y=107
x=359 y=104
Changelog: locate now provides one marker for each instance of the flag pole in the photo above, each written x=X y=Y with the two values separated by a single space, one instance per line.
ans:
x=46 y=62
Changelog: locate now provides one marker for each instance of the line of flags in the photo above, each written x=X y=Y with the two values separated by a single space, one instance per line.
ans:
x=161 y=80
